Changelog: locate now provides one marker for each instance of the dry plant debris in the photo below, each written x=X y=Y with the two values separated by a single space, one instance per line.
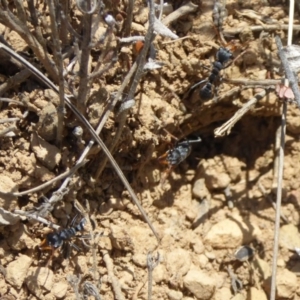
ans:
x=112 y=79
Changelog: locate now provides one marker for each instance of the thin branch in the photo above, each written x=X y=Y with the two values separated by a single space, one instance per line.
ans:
x=86 y=215
x=59 y=65
x=35 y=23
x=84 y=86
x=108 y=111
x=21 y=11
x=14 y=81
x=138 y=74
x=8 y=19
x=128 y=19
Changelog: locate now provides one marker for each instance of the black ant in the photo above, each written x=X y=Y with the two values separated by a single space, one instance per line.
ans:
x=54 y=240
x=222 y=57
x=176 y=155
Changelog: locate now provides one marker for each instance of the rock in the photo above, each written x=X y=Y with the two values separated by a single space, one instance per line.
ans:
x=200 y=284
x=140 y=260
x=238 y=297
x=48 y=122
x=20 y=240
x=215 y=180
x=286 y=283
x=43 y=174
x=219 y=171
x=105 y=243
x=81 y=264
x=47 y=154
x=137 y=239
x=263 y=267
x=38 y=280
x=231 y=233
x=289 y=237
x=197 y=245
x=59 y=289
x=174 y=295
x=223 y=293
x=126 y=276
x=16 y=271
x=160 y=273
x=121 y=239
x=178 y=261
x=202 y=260
x=8 y=218
x=7 y=186
x=233 y=167
x=200 y=190
x=142 y=237
x=225 y=234
x=255 y=294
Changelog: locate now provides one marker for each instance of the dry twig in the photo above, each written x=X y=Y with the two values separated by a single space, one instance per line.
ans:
x=178 y=13
x=114 y=280
x=59 y=65
x=226 y=127
x=272 y=27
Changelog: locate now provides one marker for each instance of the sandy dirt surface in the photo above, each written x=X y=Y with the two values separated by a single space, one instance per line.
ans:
x=214 y=212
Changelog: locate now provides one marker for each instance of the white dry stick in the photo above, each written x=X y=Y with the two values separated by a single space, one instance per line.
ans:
x=163 y=30
x=8 y=132
x=226 y=127
x=181 y=11
x=34 y=216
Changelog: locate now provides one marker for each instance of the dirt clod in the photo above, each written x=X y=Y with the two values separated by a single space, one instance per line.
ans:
x=39 y=280
x=17 y=270
x=47 y=154
x=200 y=284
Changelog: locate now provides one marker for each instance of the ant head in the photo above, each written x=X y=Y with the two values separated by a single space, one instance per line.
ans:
x=53 y=240
x=224 y=55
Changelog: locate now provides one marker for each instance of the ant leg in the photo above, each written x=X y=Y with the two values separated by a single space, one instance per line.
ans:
x=165 y=175
x=198 y=83
x=50 y=259
x=198 y=140
x=170 y=134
